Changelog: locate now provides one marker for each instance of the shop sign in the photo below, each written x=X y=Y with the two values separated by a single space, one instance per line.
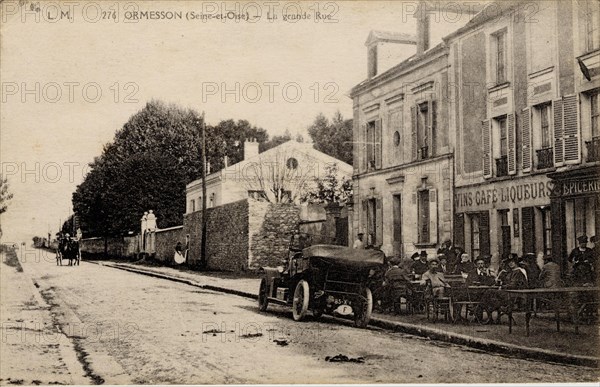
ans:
x=577 y=187
x=502 y=195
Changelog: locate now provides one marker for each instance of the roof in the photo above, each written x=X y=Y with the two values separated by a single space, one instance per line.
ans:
x=287 y=148
x=491 y=11
x=389 y=36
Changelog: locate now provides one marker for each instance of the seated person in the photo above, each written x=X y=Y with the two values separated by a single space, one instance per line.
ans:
x=465 y=266
x=516 y=278
x=420 y=266
x=436 y=277
x=550 y=274
x=480 y=275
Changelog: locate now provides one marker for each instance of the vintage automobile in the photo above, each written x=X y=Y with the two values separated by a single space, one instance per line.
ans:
x=323 y=279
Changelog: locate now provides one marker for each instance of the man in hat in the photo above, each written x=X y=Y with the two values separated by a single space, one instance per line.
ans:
x=436 y=277
x=420 y=266
x=358 y=243
x=480 y=275
x=583 y=262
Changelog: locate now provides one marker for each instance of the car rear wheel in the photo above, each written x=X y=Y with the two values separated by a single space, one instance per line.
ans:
x=301 y=299
x=263 y=300
x=362 y=314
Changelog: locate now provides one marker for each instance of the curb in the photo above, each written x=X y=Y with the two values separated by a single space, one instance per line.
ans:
x=412 y=329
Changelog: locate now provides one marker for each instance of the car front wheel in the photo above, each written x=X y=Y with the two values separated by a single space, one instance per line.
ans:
x=301 y=299
x=362 y=314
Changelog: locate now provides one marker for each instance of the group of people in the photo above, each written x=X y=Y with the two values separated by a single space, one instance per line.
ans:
x=514 y=272
x=68 y=248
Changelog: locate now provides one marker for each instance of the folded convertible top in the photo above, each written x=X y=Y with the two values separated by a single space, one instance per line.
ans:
x=346 y=256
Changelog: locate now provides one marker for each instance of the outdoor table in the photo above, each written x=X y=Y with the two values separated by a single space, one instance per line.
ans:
x=554 y=296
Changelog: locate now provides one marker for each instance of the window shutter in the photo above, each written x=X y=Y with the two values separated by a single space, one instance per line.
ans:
x=432 y=130
x=559 y=141
x=433 y=220
x=571 y=130
x=526 y=139
x=459 y=230
x=486 y=135
x=528 y=229
x=379 y=224
x=413 y=122
x=378 y=138
x=484 y=233
x=414 y=198
x=512 y=144
x=364 y=148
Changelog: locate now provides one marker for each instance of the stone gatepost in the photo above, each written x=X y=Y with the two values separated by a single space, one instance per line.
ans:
x=329 y=233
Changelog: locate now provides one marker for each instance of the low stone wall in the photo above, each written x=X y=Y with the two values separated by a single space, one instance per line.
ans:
x=165 y=242
x=118 y=247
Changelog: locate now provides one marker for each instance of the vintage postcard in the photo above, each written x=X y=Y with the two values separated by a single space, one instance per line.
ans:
x=299 y=192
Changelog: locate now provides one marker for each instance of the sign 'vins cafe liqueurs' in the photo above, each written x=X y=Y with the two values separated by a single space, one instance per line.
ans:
x=531 y=193
x=504 y=194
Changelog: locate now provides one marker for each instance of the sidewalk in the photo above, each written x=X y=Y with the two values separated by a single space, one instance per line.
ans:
x=544 y=342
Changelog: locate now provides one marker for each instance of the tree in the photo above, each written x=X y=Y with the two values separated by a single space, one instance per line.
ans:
x=5 y=195
x=275 y=141
x=148 y=164
x=331 y=189
x=333 y=138
x=276 y=179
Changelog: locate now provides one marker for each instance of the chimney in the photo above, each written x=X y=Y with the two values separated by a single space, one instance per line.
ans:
x=225 y=161
x=423 y=28
x=250 y=148
x=386 y=49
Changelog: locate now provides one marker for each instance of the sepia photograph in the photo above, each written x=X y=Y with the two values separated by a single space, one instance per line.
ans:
x=299 y=192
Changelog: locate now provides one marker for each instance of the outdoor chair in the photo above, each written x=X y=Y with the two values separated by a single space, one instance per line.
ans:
x=436 y=305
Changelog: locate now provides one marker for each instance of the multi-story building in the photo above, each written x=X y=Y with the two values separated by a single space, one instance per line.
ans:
x=504 y=141
x=525 y=112
x=403 y=158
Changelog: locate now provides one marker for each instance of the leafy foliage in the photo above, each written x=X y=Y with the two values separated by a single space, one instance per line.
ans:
x=5 y=195
x=330 y=189
x=148 y=164
x=333 y=138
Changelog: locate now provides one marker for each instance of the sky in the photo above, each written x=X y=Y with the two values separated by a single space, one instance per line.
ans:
x=68 y=84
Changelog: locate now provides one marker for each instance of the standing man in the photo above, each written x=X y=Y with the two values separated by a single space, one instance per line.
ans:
x=550 y=274
x=583 y=262
x=358 y=243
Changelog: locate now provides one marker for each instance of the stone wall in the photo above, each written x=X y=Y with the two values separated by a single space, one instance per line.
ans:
x=227 y=236
x=271 y=227
x=165 y=241
x=118 y=247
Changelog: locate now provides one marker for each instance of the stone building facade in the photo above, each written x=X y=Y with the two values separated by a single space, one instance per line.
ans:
x=497 y=125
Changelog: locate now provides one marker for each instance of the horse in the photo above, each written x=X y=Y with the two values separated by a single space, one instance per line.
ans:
x=71 y=252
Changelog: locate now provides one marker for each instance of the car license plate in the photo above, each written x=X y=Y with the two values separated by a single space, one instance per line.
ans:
x=344 y=310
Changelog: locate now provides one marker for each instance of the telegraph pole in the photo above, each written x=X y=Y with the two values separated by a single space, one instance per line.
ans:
x=203 y=260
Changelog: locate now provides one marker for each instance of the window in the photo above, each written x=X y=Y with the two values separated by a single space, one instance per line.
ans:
x=547 y=231
x=371 y=145
x=423 y=221
x=397 y=138
x=594 y=115
x=502 y=162
x=475 y=235
x=592 y=24
x=292 y=163
x=422 y=131
x=500 y=57
x=211 y=202
x=593 y=146
x=503 y=136
x=543 y=132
